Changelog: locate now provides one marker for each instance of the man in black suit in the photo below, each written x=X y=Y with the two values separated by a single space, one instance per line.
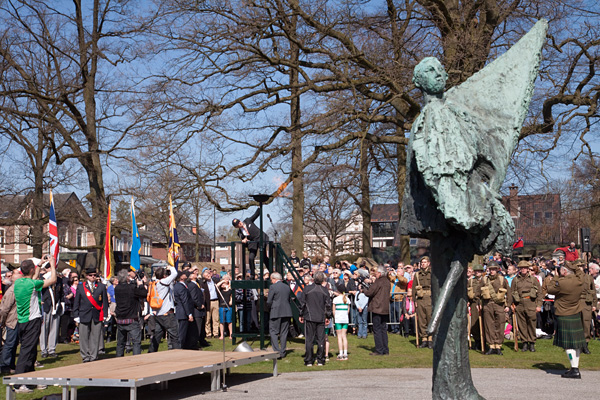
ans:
x=89 y=310
x=197 y=295
x=184 y=312
x=315 y=314
x=250 y=233
x=281 y=312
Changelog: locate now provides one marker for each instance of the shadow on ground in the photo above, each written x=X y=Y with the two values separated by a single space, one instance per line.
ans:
x=551 y=368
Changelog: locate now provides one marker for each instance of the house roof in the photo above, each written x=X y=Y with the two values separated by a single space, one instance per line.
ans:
x=184 y=233
x=385 y=213
x=67 y=205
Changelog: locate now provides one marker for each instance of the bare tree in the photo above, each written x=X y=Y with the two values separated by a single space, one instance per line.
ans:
x=82 y=104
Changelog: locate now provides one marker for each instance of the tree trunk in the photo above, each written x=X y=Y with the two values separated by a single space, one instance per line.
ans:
x=296 y=133
x=400 y=184
x=451 y=367
x=37 y=208
x=365 y=198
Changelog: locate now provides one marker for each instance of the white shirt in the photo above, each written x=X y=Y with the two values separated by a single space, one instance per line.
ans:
x=163 y=287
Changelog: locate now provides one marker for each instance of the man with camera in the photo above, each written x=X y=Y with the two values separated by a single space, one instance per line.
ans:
x=379 y=305
x=568 y=287
x=164 y=316
x=127 y=298
x=27 y=291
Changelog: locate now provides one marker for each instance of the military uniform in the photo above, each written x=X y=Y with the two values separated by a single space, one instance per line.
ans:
x=422 y=292
x=525 y=295
x=474 y=301
x=588 y=300
x=493 y=299
x=569 y=331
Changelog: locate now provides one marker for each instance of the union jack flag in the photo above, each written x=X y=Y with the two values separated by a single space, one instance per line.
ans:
x=53 y=230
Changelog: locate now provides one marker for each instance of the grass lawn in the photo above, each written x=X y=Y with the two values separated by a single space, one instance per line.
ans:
x=403 y=354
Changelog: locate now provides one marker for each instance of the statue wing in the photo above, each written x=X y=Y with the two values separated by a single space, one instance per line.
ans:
x=465 y=143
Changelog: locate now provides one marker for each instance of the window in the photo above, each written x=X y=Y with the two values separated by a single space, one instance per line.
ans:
x=384 y=229
x=548 y=216
x=17 y=234
x=63 y=235
x=2 y=238
x=147 y=247
x=80 y=239
x=28 y=240
x=537 y=218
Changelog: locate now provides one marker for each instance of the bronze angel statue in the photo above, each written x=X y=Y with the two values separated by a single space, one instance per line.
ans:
x=459 y=151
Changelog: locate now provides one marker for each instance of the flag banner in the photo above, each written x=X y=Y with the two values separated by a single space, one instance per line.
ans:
x=519 y=243
x=53 y=230
x=173 y=254
x=107 y=266
x=136 y=244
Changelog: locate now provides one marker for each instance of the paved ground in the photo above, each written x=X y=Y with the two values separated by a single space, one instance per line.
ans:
x=414 y=384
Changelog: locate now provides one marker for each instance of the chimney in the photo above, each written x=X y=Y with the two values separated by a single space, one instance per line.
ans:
x=513 y=200
x=194 y=230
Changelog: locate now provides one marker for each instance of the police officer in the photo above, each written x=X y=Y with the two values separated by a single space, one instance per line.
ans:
x=422 y=292
x=493 y=299
x=588 y=302
x=525 y=298
x=474 y=298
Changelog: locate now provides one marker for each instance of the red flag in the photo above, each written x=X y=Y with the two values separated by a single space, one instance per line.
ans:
x=107 y=267
x=519 y=243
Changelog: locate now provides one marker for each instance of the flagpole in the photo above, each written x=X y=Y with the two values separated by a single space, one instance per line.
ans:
x=107 y=240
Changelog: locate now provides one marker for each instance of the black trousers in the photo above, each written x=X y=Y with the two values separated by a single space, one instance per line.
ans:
x=380 y=333
x=188 y=334
x=252 y=257
x=165 y=323
x=201 y=326
x=314 y=331
x=29 y=336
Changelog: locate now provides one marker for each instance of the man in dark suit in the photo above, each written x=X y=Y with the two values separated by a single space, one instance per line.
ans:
x=315 y=314
x=250 y=233
x=197 y=295
x=281 y=312
x=89 y=310
x=184 y=312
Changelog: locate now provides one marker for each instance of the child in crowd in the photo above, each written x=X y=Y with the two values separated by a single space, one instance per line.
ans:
x=341 y=306
x=225 y=311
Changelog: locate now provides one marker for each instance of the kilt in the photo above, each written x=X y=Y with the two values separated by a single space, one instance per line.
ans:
x=569 y=332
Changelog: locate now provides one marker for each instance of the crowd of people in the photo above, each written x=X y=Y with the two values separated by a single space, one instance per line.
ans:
x=536 y=298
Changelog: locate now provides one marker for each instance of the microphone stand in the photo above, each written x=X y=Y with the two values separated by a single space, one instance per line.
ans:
x=273 y=226
x=224 y=387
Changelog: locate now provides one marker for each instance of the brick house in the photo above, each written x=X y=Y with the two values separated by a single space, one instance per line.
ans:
x=187 y=240
x=537 y=217
x=16 y=221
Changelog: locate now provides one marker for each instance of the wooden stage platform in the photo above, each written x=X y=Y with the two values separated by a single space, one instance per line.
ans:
x=135 y=371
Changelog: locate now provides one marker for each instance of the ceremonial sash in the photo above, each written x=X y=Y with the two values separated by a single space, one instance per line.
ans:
x=93 y=301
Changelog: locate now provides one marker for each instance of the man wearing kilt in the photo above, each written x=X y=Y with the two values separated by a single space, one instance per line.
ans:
x=569 y=327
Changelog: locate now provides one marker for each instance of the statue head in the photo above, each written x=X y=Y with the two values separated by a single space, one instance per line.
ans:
x=430 y=76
